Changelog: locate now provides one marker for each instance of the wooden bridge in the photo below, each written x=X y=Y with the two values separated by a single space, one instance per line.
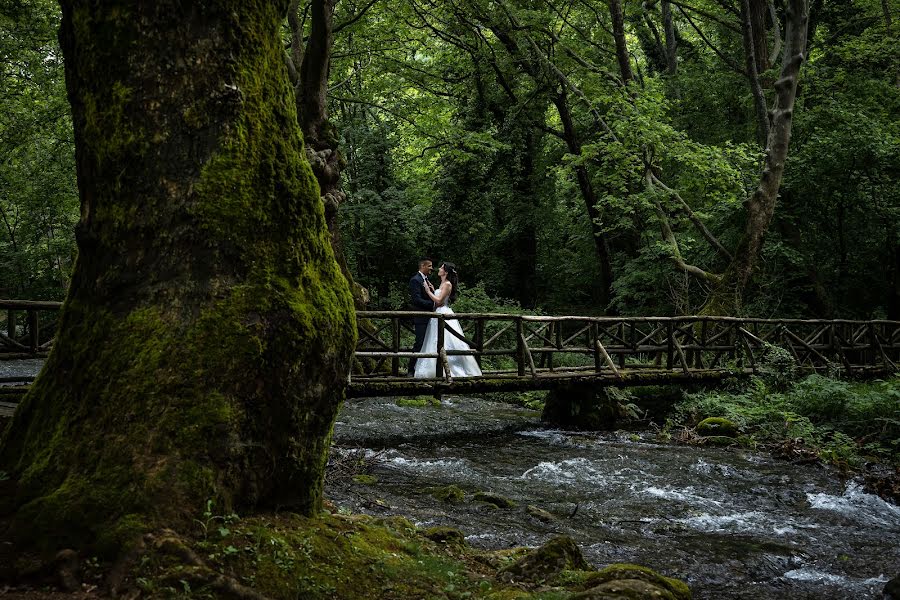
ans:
x=530 y=352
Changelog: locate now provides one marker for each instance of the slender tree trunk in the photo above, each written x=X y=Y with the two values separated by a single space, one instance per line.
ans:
x=319 y=133
x=728 y=296
x=588 y=194
x=618 y=23
x=759 y=10
x=671 y=40
x=752 y=71
x=205 y=341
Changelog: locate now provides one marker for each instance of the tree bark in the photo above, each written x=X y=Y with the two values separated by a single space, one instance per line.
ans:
x=752 y=71
x=618 y=23
x=205 y=342
x=727 y=298
x=759 y=9
x=671 y=40
x=573 y=143
x=319 y=133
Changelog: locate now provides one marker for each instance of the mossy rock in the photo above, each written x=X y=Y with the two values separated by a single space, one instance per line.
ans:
x=445 y=535
x=620 y=572
x=417 y=402
x=365 y=479
x=544 y=563
x=495 y=499
x=451 y=493
x=624 y=589
x=539 y=513
x=717 y=426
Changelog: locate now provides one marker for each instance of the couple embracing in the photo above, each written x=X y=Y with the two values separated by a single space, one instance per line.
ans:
x=424 y=296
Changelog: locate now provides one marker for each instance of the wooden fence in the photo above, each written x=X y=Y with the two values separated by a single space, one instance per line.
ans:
x=537 y=351
x=540 y=352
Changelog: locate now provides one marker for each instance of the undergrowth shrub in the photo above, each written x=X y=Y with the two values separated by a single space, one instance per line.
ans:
x=842 y=421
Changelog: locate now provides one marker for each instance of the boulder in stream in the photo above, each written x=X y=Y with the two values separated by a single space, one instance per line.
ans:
x=717 y=427
x=495 y=499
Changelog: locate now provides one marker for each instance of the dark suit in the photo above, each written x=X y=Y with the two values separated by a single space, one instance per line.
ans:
x=418 y=300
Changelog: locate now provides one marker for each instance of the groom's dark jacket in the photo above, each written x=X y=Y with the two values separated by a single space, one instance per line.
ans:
x=418 y=299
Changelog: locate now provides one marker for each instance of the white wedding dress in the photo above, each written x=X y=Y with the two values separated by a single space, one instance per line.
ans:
x=460 y=366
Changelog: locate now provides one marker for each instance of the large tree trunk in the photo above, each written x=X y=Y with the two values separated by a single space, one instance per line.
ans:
x=206 y=338
x=728 y=296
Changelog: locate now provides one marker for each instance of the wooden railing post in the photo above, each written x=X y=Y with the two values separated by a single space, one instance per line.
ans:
x=549 y=355
x=479 y=340
x=33 y=331
x=670 y=347
x=520 y=348
x=395 y=344
x=438 y=363
x=621 y=333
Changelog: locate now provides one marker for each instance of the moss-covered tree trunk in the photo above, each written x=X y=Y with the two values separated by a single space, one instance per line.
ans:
x=205 y=342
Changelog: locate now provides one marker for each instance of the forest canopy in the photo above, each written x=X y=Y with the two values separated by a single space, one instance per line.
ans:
x=569 y=155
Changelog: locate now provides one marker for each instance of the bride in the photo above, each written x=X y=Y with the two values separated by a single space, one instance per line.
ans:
x=460 y=366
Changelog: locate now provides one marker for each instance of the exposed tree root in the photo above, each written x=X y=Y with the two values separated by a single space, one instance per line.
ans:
x=195 y=571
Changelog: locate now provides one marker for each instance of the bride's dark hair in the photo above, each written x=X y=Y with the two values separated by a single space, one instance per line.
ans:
x=453 y=278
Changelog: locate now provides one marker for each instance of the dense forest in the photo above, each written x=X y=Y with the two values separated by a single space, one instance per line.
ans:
x=568 y=156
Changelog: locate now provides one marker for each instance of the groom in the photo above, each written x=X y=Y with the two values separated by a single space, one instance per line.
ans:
x=419 y=300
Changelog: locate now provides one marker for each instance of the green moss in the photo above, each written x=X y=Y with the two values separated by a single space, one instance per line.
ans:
x=351 y=557
x=678 y=590
x=365 y=479
x=557 y=555
x=203 y=349
x=450 y=493
x=445 y=535
x=494 y=499
x=717 y=426
x=417 y=402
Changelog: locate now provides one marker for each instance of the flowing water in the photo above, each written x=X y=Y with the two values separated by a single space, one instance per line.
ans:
x=731 y=523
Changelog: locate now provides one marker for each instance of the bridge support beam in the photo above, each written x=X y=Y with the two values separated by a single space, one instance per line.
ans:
x=585 y=406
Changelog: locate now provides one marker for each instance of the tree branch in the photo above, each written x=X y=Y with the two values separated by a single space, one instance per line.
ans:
x=706 y=233
x=711 y=46
x=355 y=17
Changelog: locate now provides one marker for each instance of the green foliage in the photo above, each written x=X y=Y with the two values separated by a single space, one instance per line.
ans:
x=841 y=421
x=38 y=196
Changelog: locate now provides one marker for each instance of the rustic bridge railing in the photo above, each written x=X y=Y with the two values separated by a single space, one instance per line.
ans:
x=21 y=337
x=521 y=352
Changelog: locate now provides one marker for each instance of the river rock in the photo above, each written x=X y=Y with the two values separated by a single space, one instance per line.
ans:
x=892 y=589
x=445 y=535
x=495 y=499
x=620 y=579
x=449 y=493
x=624 y=589
x=717 y=426
x=560 y=553
x=539 y=513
